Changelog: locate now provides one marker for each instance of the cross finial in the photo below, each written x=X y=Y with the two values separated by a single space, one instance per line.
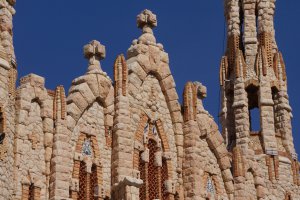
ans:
x=146 y=20
x=94 y=52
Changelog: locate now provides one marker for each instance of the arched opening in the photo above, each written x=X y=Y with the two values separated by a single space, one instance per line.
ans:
x=254 y=112
x=82 y=181
x=153 y=171
x=86 y=171
x=210 y=188
x=153 y=168
x=94 y=183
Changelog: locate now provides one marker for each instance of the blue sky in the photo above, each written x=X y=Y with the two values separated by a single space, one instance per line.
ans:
x=49 y=36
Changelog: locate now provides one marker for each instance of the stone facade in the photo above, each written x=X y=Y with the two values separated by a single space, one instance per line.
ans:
x=130 y=138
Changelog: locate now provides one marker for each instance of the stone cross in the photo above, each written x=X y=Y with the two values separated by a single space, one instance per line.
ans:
x=146 y=21
x=94 y=52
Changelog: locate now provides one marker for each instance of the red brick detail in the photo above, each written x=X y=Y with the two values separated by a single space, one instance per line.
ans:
x=136 y=159
x=223 y=74
x=265 y=40
x=238 y=163
x=162 y=135
x=12 y=81
x=120 y=75
x=295 y=170
x=190 y=102
x=59 y=98
x=276 y=167
x=282 y=66
x=140 y=130
x=288 y=196
x=275 y=64
x=269 y=163
x=233 y=46
x=108 y=136
x=25 y=192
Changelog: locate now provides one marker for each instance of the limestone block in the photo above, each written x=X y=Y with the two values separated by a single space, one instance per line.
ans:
x=136 y=174
x=85 y=92
x=33 y=80
x=48 y=139
x=74 y=186
x=158 y=159
x=227 y=175
x=167 y=155
x=145 y=155
x=78 y=156
x=170 y=186
x=214 y=140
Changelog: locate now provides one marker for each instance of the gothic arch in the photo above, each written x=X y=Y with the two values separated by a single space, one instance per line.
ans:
x=87 y=175
x=91 y=126
x=151 y=133
x=84 y=92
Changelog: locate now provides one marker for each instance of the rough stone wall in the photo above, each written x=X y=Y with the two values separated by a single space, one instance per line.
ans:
x=33 y=134
x=206 y=158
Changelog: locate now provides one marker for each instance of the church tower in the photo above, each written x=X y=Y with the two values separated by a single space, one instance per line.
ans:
x=253 y=75
x=253 y=79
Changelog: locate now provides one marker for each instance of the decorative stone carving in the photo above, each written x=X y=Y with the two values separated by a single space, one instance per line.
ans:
x=147 y=21
x=94 y=52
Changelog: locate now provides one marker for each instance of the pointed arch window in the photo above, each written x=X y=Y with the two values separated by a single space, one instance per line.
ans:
x=86 y=171
x=88 y=181
x=211 y=186
x=153 y=169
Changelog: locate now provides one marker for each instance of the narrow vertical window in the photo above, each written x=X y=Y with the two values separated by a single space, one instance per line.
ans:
x=153 y=172
x=94 y=184
x=210 y=188
x=82 y=181
x=2 y=134
x=153 y=168
x=254 y=112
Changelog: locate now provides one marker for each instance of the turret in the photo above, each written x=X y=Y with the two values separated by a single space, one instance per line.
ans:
x=253 y=76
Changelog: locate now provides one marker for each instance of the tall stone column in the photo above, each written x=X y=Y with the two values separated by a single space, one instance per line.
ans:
x=60 y=165
x=125 y=185
x=7 y=84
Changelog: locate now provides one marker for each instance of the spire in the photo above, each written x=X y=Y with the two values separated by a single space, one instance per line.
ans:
x=146 y=21
x=94 y=52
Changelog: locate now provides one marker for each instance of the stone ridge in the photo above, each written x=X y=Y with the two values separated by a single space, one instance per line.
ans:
x=130 y=138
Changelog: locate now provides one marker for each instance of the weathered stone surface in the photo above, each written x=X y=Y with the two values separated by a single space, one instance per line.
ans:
x=117 y=138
